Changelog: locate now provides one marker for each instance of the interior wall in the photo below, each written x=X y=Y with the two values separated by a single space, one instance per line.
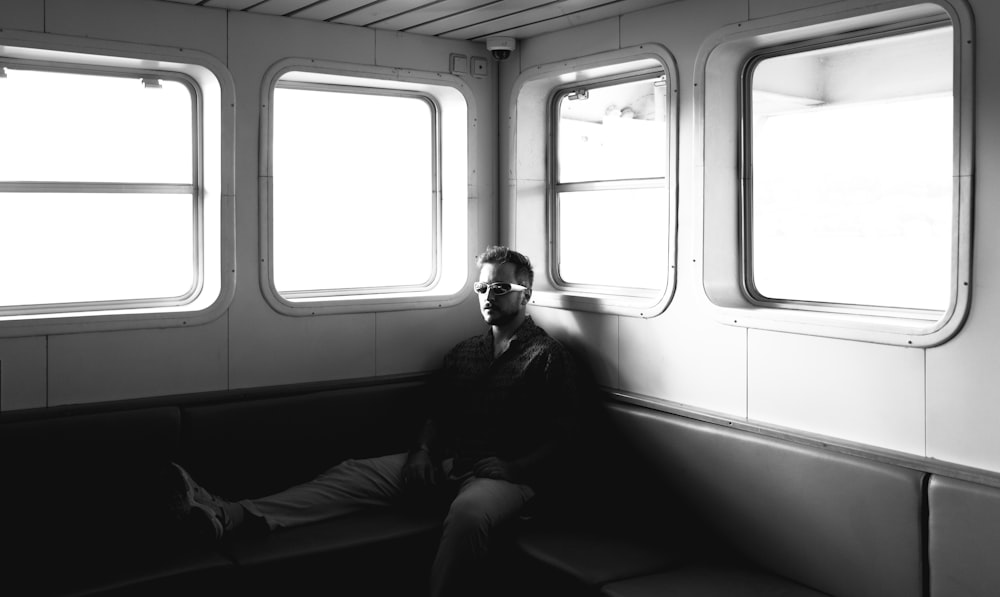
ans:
x=938 y=403
x=251 y=344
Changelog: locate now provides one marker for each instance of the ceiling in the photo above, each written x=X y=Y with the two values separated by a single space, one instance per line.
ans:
x=453 y=19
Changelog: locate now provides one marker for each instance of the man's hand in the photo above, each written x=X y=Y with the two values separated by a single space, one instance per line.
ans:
x=495 y=468
x=419 y=470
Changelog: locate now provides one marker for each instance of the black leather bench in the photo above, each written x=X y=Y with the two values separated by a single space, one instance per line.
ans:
x=652 y=504
x=775 y=518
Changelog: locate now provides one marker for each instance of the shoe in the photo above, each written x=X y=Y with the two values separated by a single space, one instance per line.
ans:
x=195 y=505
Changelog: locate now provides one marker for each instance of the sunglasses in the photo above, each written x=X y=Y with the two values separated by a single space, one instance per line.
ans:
x=498 y=288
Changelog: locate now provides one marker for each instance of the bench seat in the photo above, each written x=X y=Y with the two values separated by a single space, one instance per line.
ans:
x=654 y=504
x=709 y=581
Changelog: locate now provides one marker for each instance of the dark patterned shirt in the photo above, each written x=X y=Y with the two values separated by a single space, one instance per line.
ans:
x=510 y=407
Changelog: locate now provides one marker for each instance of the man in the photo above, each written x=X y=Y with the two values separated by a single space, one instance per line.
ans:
x=504 y=404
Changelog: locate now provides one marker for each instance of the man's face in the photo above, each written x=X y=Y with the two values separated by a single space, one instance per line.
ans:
x=498 y=310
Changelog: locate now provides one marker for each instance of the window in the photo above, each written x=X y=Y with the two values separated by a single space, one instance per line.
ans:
x=355 y=190
x=593 y=192
x=116 y=198
x=366 y=189
x=836 y=158
x=850 y=188
x=99 y=195
x=609 y=193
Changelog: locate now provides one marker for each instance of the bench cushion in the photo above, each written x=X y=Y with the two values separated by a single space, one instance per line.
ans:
x=709 y=581
x=379 y=551
x=964 y=538
x=594 y=558
x=845 y=526
x=86 y=505
x=248 y=449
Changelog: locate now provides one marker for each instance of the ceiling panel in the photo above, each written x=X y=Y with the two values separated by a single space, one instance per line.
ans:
x=432 y=12
x=280 y=7
x=457 y=19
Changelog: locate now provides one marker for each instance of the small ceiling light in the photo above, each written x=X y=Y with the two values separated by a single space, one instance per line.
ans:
x=151 y=83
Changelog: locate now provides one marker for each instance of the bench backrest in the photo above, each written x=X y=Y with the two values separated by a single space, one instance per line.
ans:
x=842 y=525
x=963 y=538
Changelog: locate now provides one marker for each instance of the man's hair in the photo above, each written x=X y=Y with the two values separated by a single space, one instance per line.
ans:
x=497 y=255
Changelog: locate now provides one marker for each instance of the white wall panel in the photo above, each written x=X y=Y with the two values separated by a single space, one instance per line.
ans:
x=407 y=342
x=405 y=50
x=132 y=364
x=963 y=375
x=592 y=337
x=259 y=41
x=681 y=27
x=862 y=392
x=269 y=349
x=22 y=373
x=140 y=21
x=26 y=15
x=591 y=38
x=685 y=358
x=766 y=8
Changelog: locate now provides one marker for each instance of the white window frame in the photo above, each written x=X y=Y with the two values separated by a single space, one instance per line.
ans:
x=721 y=66
x=534 y=219
x=556 y=187
x=453 y=117
x=212 y=185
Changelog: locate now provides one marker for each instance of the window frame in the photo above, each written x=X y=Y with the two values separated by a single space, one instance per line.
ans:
x=435 y=196
x=194 y=188
x=211 y=186
x=454 y=117
x=529 y=222
x=722 y=101
x=754 y=296
x=555 y=187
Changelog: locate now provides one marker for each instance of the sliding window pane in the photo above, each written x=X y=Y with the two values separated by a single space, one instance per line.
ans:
x=74 y=127
x=83 y=247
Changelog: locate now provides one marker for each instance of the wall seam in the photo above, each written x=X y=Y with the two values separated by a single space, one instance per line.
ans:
x=746 y=375
x=924 y=351
x=48 y=367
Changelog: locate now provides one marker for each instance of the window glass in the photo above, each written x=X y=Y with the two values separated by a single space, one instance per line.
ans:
x=98 y=195
x=616 y=132
x=77 y=127
x=85 y=247
x=852 y=185
x=354 y=190
x=613 y=238
x=610 y=196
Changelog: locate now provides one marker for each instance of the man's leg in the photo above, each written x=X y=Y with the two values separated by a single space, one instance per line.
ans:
x=481 y=506
x=343 y=489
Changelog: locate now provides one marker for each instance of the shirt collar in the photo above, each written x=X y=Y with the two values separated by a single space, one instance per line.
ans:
x=527 y=329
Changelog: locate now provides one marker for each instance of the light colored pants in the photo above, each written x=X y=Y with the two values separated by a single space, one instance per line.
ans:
x=479 y=506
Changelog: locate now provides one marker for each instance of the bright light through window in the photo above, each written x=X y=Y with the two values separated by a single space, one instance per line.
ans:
x=97 y=190
x=852 y=174
x=81 y=247
x=73 y=127
x=354 y=190
x=610 y=189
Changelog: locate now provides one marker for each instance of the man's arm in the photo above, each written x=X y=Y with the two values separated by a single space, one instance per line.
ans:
x=516 y=471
